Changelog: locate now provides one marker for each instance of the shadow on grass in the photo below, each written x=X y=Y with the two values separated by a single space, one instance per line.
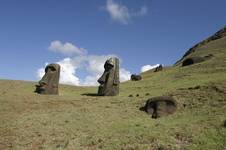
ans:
x=90 y=94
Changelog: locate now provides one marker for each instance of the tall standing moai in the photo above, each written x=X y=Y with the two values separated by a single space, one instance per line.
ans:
x=50 y=81
x=109 y=81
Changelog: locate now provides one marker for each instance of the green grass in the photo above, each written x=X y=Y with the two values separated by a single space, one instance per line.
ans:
x=74 y=120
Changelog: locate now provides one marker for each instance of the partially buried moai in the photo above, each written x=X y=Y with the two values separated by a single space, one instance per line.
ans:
x=50 y=81
x=109 y=81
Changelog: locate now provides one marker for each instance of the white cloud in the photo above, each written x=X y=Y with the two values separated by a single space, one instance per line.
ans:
x=40 y=72
x=95 y=63
x=66 y=48
x=67 y=72
x=124 y=74
x=96 y=68
x=118 y=12
x=92 y=64
x=121 y=13
x=148 y=67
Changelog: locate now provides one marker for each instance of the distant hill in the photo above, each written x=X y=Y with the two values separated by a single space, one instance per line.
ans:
x=218 y=35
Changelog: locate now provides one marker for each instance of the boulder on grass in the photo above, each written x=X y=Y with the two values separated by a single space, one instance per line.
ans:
x=135 y=77
x=160 y=106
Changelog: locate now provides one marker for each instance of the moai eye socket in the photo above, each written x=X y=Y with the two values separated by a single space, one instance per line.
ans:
x=108 y=66
x=50 y=68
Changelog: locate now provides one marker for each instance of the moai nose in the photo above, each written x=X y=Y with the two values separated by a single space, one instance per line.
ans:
x=42 y=83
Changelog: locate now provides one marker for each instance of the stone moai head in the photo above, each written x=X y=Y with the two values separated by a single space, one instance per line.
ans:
x=50 y=81
x=109 y=81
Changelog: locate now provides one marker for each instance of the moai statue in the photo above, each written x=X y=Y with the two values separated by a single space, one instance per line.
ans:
x=50 y=81
x=109 y=81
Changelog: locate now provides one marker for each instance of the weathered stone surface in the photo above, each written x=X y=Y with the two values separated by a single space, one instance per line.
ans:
x=109 y=81
x=50 y=81
x=135 y=77
x=160 y=106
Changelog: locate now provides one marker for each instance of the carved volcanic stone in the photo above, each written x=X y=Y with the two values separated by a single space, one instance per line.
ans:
x=192 y=60
x=160 y=106
x=135 y=77
x=50 y=81
x=109 y=81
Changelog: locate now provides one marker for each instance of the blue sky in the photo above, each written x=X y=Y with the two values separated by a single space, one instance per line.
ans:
x=140 y=32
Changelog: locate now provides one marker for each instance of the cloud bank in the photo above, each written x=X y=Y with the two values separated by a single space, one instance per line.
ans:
x=93 y=65
x=148 y=67
x=121 y=13
x=66 y=48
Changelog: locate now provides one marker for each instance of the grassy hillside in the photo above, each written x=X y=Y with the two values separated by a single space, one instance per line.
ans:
x=77 y=119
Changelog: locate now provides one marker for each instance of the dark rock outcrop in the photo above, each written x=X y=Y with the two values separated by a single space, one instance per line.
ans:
x=192 y=60
x=135 y=77
x=160 y=106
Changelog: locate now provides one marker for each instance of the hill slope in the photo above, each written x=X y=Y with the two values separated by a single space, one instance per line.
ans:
x=76 y=119
x=199 y=47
